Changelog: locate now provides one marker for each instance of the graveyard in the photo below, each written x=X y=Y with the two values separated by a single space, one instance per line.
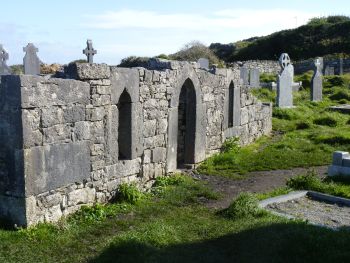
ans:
x=233 y=152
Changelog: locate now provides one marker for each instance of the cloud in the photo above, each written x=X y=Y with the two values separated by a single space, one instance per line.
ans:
x=219 y=20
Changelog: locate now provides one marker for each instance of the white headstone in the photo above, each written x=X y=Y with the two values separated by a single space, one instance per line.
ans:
x=285 y=83
x=31 y=62
x=203 y=63
x=316 y=82
x=4 y=56
x=254 y=81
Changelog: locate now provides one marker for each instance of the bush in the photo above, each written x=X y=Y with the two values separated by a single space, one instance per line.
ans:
x=245 y=205
x=134 y=61
x=305 y=78
x=193 y=51
x=334 y=81
x=130 y=193
x=264 y=77
x=302 y=125
x=326 y=121
x=310 y=181
x=164 y=181
x=231 y=145
x=340 y=95
x=285 y=114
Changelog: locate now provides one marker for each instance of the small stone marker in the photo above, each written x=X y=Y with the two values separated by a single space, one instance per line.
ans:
x=4 y=69
x=244 y=74
x=89 y=51
x=316 y=82
x=340 y=164
x=203 y=63
x=285 y=83
x=254 y=78
x=31 y=61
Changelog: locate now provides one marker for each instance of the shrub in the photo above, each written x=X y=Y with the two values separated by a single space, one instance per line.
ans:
x=245 y=205
x=130 y=193
x=334 y=80
x=333 y=139
x=285 y=114
x=326 y=121
x=264 y=77
x=302 y=125
x=231 y=145
x=340 y=95
x=305 y=78
x=310 y=181
x=164 y=181
x=134 y=61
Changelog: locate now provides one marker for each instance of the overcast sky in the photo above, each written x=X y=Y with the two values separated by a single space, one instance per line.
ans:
x=120 y=28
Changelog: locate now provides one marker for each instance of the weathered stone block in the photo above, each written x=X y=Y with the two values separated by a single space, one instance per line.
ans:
x=86 y=71
x=81 y=196
x=158 y=155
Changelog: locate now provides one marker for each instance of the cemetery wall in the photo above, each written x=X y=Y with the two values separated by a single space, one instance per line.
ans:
x=264 y=66
x=71 y=142
x=301 y=67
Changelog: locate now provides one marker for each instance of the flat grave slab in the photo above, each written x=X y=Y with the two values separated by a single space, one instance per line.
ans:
x=345 y=108
x=315 y=208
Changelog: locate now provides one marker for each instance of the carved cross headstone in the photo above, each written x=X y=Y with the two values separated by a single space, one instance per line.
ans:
x=4 y=69
x=89 y=51
x=285 y=83
x=31 y=61
x=316 y=82
x=203 y=63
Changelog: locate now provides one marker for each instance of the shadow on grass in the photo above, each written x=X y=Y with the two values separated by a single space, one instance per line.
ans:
x=293 y=242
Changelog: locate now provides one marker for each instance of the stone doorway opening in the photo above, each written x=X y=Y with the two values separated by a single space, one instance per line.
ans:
x=124 y=128
x=186 y=125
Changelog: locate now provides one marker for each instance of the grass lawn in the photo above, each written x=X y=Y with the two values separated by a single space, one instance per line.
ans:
x=170 y=225
x=302 y=137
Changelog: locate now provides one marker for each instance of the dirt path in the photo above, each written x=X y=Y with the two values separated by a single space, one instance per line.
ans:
x=255 y=182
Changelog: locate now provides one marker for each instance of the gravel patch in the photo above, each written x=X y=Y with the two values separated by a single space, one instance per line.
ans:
x=317 y=212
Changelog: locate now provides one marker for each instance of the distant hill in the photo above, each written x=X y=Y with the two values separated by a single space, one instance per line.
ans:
x=320 y=37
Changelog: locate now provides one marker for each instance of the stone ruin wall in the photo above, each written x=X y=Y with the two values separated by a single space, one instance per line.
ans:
x=59 y=137
x=301 y=67
x=264 y=66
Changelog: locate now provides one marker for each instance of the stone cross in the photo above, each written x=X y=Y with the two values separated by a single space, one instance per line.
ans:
x=89 y=51
x=31 y=62
x=254 y=78
x=203 y=63
x=316 y=82
x=285 y=83
x=4 y=69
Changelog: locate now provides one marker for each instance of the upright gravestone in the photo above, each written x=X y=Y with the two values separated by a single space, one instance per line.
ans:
x=254 y=78
x=329 y=71
x=31 y=62
x=89 y=51
x=316 y=82
x=285 y=83
x=203 y=63
x=341 y=65
x=4 y=69
x=244 y=74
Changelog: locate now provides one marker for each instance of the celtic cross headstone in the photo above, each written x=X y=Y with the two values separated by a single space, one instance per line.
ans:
x=285 y=83
x=89 y=51
x=316 y=82
x=4 y=56
x=31 y=62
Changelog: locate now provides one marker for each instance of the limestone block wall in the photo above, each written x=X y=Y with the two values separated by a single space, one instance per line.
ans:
x=71 y=142
x=301 y=67
x=264 y=66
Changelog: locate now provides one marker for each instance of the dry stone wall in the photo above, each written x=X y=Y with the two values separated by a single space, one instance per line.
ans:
x=71 y=142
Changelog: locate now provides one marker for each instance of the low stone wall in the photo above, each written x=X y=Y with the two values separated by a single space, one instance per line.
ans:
x=71 y=142
x=264 y=66
x=301 y=67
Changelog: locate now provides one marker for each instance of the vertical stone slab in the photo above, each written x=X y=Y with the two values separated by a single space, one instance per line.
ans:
x=171 y=164
x=237 y=106
x=31 y=62
x=4 y=56
x=316 y=83
x=254 y=78
x=203 y=63
x=244 y=74
x=341 y=66
x=285 y=83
